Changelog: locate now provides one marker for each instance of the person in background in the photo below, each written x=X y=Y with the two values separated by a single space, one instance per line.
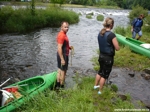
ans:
x=62 y=54
x=107 y=45
x=136 y=26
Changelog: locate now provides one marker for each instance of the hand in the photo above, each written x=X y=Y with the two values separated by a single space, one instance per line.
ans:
x=62 y=62
x=71 y=47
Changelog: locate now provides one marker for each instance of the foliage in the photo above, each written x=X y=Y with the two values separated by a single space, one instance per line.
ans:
x=126 y=58
x=126 y=4
x=60 y=2
x=32 y=7
x=22 y=20
x=136 y=11
x=120 y=30
x=89 y=16
x=146 y=26
x=81 y=98
x=100 y=17
x=143 y=3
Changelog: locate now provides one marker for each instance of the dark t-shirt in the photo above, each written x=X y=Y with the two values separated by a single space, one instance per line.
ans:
x=110 y=37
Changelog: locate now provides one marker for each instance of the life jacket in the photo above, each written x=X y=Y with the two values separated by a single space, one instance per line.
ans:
x=138 y=22
x=104 y=46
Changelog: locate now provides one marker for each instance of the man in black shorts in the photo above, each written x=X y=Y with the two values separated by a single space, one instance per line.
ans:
x=62 y=54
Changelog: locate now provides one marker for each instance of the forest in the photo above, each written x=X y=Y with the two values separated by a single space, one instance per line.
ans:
x=125 y=4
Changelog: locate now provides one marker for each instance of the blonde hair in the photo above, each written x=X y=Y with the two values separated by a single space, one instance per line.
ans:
x=107 y=24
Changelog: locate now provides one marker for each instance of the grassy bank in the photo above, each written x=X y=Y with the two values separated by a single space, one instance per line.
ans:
x=125 y=57
x=27 y=19
x=81 y=98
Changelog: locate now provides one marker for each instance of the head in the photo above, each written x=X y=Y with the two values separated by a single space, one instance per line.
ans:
x=64 y=26
x=141 y=16
x=108 y=23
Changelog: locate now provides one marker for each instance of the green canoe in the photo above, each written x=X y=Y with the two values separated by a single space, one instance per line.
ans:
x=29 y=88
x=135 y=45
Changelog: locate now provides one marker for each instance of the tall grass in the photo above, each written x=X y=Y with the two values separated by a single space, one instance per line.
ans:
x=22 y=20
x=81 y=99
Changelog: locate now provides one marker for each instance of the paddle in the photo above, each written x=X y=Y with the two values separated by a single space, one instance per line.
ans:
x=15 y=86
x=5 y=82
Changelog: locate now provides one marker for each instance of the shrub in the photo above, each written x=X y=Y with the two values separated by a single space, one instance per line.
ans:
x=89 y=16
x=136 y=11
x=100 y=17
x=22 y=20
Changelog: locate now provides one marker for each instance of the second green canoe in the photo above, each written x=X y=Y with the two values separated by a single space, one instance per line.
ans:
x=135 y=45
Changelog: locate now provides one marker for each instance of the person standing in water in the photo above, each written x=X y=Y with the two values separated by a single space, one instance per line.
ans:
x=107 y=45
x=62 y=54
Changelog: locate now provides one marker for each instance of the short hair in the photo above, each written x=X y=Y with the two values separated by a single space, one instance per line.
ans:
x=141 y=15
x=64 y=22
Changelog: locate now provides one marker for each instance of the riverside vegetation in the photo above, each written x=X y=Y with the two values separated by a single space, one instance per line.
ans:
x=81 y=97
x=28 y=19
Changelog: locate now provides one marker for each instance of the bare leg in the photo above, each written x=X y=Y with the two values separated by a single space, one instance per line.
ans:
x=62 y=77
x=58 y=75
x=138 y=37
x=97 y=79
x=102 y=82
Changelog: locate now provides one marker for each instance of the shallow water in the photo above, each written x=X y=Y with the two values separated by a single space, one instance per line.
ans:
x=28 y=55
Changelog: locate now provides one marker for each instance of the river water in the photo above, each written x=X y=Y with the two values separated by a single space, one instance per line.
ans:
x=31 y=54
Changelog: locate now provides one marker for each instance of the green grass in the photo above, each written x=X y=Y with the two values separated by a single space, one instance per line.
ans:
x=81 y=98
x=23 y=20
x=125 y=57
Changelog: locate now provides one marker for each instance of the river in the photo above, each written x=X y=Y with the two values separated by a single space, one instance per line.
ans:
x=31 y=54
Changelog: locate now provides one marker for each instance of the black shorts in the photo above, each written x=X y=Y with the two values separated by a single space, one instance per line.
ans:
x=62 y=67
x=106 y=63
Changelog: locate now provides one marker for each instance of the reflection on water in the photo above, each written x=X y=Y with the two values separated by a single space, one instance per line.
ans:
x=24 y=56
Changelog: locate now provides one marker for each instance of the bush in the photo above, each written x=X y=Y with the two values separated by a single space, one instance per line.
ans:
x=136 y=11
x=100 y=17
x=22 y=20
x=89 y=16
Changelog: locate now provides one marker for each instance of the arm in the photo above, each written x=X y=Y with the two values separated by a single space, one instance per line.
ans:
x=131 y=28
x=71 y=47
x=115 y=43
x=59 y=49
x=132 y=24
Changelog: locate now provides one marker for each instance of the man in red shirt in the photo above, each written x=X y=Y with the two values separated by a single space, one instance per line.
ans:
x=62 y=54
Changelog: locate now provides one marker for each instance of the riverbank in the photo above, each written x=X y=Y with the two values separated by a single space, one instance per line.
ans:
x=28 y=18
x=26 y=55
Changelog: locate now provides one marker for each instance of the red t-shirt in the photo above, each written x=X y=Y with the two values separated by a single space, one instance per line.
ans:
x=63 y=39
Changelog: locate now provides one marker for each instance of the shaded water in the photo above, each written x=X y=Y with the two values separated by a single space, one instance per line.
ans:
x=24 y=56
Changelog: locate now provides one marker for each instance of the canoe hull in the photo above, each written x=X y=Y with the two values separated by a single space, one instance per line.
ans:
x=33 y=86
x=134 y=45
